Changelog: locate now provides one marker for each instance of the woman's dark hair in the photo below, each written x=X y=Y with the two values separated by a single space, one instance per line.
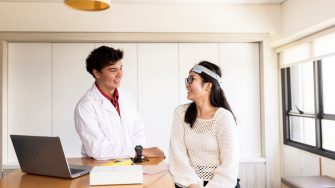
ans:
x=102 y=57
x=217 y=96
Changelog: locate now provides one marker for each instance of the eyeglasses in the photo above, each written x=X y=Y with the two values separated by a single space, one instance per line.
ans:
x=189 y=80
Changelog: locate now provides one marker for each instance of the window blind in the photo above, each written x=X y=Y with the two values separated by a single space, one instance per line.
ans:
x=310 y=48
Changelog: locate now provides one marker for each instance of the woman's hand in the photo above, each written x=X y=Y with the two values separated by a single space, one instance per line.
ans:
x=194 y=186
x=152 y=152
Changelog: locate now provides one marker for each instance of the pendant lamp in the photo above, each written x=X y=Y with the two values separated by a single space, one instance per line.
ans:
x=88 y=5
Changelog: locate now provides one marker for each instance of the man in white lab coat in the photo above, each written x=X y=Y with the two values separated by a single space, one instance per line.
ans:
x=106 y=117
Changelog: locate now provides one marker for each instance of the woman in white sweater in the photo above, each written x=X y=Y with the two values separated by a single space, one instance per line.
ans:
x=204 y=139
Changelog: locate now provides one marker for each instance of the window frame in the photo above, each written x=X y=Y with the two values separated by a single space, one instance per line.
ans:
x=318 y=113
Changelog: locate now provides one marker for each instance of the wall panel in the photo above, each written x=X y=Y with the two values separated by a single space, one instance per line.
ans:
x=241 y=84
x=158 y=90
x=29 y=92
x=129 y=80
x=70 y=81
x=191 y=54
x=252 y=175
x=154 y=73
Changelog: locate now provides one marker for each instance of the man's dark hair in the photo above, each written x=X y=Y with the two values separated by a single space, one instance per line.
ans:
x=102 y=57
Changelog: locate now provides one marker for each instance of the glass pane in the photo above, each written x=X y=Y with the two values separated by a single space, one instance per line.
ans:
x=328 y=80
x=302 y=130
x=328 y=132
x=302 y=87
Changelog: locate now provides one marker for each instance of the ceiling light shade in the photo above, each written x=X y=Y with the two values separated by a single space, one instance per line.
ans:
x=88 y=5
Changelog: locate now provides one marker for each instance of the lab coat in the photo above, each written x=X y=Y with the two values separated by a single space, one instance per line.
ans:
x=104 y=134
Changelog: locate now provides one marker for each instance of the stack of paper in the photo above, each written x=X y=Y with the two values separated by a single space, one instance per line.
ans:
x=155 y=169
x=105 y=175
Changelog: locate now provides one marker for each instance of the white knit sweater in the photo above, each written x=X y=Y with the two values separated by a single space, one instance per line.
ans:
x=207 y=152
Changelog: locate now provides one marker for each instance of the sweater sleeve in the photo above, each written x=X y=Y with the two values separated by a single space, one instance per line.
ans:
x=180 y=168
x=225 y=175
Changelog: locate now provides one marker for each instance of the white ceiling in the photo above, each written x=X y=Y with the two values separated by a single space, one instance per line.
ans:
x=228 y=2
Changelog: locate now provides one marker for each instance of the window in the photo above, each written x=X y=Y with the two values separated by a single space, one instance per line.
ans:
x=309 y=106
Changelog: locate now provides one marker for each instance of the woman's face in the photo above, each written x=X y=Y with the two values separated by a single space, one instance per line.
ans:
x=197 y=89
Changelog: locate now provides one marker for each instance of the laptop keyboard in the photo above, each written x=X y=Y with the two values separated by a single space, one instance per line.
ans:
x=74 y=171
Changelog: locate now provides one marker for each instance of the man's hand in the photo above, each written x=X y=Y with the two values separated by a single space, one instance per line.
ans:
x=152 y=152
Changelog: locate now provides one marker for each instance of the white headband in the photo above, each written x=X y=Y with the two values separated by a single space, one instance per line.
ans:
x=199 y=69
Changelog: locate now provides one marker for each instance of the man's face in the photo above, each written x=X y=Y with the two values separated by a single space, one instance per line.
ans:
x=109 y=77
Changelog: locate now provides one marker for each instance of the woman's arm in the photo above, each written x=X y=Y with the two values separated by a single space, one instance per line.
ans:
x=225 y=175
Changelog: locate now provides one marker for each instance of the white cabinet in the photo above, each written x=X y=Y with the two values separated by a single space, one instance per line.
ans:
x=158 y=90
x=29 y=92
x=70 y=81
x=241 y=83
x=239 y=64
x=46 y=80
x=191 y=54
x=129 y=80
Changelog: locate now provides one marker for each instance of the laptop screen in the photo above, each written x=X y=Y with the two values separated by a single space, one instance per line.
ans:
x=41 y=155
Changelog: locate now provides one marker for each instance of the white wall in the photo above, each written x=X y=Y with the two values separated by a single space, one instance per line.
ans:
x=297 y=162
x=300 y=163
x=298 y=15
x=41 y=16
x=159 y=88
x=300 y=18
x=45 y=17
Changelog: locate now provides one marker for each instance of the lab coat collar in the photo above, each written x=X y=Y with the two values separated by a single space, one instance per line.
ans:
x=103 y=100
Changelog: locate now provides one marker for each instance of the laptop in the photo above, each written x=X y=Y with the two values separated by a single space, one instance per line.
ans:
x=44 y=156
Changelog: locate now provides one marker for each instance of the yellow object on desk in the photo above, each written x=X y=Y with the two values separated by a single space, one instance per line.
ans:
x=119 y=162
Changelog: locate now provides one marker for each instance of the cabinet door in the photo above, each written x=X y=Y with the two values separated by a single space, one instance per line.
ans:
x=240 y=77
x=70 y=81
x=158 y=90
x=191 y=54
x=29 y=91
